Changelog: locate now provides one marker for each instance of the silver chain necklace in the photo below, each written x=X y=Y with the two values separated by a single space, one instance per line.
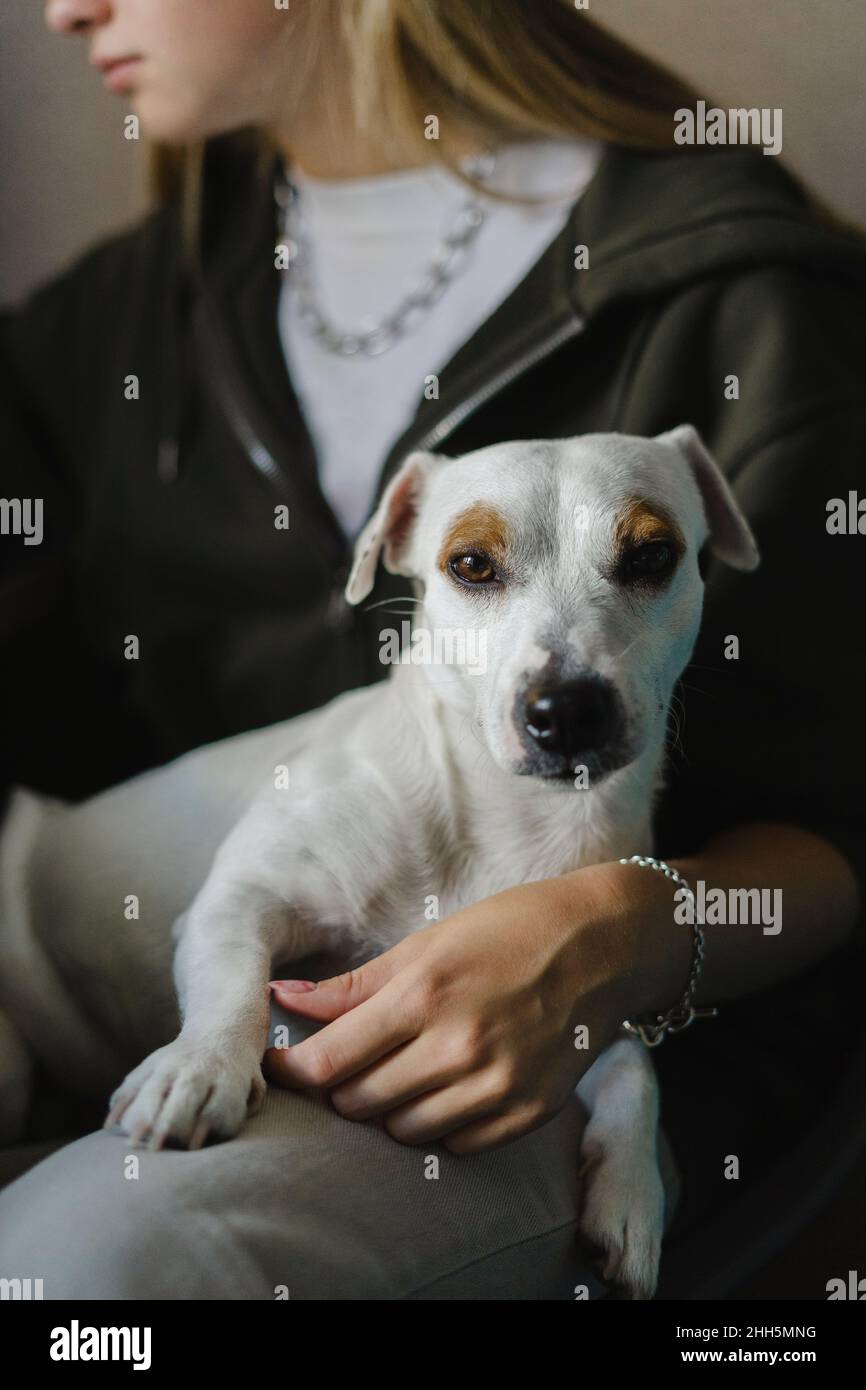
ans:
x=447 y=259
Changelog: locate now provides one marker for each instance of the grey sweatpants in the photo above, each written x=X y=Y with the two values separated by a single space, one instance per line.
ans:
x=303 y=1204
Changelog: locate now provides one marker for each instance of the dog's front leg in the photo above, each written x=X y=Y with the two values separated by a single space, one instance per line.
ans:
x=622 y=1203
x=208 y=1080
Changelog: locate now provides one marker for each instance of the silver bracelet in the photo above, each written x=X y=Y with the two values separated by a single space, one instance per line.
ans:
x=654 y=1028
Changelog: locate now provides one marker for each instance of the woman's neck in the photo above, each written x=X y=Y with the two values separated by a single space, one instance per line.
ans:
x=322 y=140
x=353 y=157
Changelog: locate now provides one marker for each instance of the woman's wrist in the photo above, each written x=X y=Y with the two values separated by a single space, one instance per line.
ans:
x=648 y=952
x=747 y=948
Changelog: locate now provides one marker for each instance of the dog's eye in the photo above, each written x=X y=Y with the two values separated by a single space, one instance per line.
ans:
x=472 y=568
x=653 y=561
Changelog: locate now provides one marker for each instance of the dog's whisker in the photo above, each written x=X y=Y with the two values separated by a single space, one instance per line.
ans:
x=707 y=694
x=677 y=714
x=626 y=649
x=392 y=598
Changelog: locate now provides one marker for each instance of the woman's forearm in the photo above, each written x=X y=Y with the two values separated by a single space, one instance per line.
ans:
x=808 y=907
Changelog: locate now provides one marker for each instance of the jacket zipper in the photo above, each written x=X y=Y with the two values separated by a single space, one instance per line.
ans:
x=245 y=433
x=262 y=459
x=439 y=432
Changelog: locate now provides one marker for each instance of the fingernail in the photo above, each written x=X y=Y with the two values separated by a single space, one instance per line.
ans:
x=294 y=986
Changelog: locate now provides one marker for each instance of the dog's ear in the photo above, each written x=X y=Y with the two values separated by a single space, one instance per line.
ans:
x=389 y=529
x=730 y=536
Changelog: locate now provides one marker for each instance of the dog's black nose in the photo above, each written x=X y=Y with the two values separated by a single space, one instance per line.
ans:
x=572 y=719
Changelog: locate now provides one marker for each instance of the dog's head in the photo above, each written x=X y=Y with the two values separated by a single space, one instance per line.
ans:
x=575 y=566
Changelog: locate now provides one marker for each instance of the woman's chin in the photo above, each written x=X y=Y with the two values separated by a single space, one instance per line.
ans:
x=176 y=122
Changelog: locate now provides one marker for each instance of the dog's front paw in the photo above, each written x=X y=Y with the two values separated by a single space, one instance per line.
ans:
x=622 y=1218
x=185 y=1093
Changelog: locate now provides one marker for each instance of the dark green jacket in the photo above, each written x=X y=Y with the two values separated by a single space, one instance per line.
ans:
x=159 y=519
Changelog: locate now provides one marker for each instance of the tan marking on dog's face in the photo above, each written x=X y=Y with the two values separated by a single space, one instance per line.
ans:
x=640 y=522
x=479 y=530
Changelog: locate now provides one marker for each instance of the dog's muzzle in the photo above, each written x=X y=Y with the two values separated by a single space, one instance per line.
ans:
x=569 y=724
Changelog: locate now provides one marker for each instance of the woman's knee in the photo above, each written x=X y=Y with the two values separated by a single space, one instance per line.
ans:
x=98 y=1220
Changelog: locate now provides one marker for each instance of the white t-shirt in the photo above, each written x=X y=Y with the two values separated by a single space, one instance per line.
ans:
x=371 y=240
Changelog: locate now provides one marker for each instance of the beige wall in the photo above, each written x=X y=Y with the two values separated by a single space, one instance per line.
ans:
x=805 y=56
x=69 y=175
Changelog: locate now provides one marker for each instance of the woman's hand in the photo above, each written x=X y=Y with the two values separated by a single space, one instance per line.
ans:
x=466 y=1029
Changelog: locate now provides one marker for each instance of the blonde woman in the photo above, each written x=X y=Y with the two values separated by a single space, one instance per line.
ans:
x=387 y=222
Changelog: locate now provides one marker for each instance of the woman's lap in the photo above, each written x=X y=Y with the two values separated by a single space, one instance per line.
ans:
x=302 y=1204
x=306 y=1204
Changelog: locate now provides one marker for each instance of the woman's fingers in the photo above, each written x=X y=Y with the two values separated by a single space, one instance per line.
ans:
x=356 y=1039
x=467 y=1117
x=331 y=998
x=327 y=999
x=476 y=1109
x=495 y=1130
x=413 y=1070
x=440 y=1112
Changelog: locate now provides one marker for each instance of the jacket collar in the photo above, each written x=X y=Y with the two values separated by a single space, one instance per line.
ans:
x=650 y=222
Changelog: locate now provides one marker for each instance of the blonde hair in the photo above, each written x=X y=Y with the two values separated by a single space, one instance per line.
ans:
x=490 y=70
x=504 y=70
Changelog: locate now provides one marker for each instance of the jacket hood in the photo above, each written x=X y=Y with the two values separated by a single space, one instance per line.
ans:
x=655 y=222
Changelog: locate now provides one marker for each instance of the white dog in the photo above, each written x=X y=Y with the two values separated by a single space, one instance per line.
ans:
x=572 y=568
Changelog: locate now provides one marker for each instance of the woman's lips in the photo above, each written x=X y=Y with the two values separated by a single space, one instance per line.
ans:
x=119 y=73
